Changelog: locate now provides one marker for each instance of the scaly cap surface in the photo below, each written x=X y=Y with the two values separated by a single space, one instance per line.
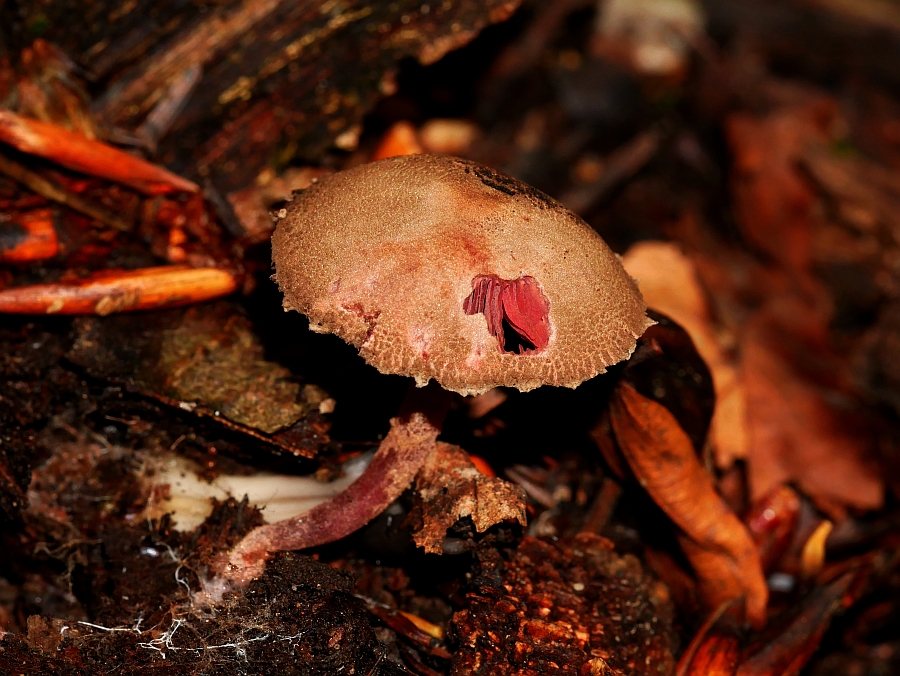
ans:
x=437 y=267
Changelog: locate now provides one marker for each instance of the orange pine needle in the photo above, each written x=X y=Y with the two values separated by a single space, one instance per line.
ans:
x=79 y=153
x=107 y=292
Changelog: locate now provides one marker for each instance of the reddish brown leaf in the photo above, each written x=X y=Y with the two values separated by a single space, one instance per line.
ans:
x=798 y=433
x=775 y=205
x=715 y=541
x=716 y=656
x=716 y=648
x=669 y=284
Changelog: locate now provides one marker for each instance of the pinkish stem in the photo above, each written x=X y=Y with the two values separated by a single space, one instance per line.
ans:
x=402 y=452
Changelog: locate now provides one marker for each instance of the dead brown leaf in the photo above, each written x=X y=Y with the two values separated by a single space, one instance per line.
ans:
x=805 y=424
x=800 y=432
x=713 y=538
x=775 y=204
x=669 y=282
x=451 y=487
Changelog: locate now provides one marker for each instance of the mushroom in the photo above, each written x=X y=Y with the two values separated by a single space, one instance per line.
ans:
x=441 y=269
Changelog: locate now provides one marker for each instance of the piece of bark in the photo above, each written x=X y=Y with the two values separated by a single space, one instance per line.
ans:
x=321 y=78
x=207 y=355
x=450 y=487
x=207 y=362
x=279 y=77
x=573 y=609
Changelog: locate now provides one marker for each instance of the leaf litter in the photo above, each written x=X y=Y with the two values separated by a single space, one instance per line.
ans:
x=777 y=258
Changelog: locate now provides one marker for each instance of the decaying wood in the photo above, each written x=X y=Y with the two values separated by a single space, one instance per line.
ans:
x=449 y=488
x=280 y=78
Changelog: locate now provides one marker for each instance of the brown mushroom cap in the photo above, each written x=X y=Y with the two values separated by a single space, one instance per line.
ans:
x=436 y=267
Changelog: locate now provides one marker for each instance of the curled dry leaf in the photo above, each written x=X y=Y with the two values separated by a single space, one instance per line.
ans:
x=713 y=538
x=669 y=283
x=451 y=487
x=79 y=153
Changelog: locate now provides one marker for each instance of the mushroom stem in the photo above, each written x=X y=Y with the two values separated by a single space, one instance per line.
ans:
x=399 y=457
